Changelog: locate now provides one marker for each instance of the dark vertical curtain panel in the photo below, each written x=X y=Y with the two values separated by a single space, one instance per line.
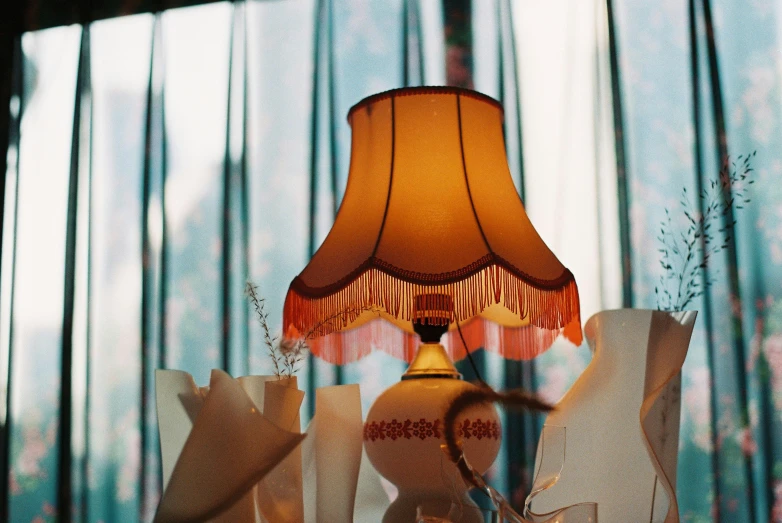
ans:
x=13 y=94
x=623 y=196
x=521 y=429
x=76 y=177
x=151 y=355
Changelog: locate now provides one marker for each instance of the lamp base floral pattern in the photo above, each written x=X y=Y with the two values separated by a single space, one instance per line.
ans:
x=424 y=428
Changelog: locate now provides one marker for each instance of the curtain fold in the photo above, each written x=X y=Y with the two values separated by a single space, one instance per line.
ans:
x=78 y=176
x=8 y=266
x=148 y=358
x=623 y=194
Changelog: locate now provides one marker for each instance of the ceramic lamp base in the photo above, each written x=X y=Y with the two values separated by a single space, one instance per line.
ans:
x=403 y=435
x=432 y=503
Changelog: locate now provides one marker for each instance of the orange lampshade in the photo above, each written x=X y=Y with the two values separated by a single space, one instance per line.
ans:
x=430 y=209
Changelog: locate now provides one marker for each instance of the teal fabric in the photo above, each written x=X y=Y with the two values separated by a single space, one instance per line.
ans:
x=211 y=148
x=681 y=122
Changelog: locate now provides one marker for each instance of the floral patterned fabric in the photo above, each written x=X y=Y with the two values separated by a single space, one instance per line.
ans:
x=700 y=80
x=211 y=147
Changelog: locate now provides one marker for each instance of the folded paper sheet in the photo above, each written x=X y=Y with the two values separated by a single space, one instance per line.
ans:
x=279 y=495
x=332 y=456
x=212 y=436
x=178 y=402
x=230 y=447
x=620 y=421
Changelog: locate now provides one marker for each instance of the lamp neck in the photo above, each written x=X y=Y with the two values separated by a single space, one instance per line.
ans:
x=430 y=323
x=429 y=333
x=431 y=361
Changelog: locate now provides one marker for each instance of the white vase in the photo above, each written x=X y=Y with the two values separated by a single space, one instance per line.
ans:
x=620 y=421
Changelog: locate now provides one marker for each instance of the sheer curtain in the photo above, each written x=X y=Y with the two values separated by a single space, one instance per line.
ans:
x=700 y=83
x=157 y=162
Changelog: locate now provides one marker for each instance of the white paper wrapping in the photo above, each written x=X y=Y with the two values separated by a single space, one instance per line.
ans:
x=230 y=452
x=279 y=496
x=621 y=421
x=340 y=483
x=221 y=458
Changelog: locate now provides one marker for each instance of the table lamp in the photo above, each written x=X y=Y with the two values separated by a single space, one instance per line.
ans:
x=431 y=234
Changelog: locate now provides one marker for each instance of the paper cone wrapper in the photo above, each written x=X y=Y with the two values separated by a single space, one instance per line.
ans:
x=230 y=448
x=279 y=496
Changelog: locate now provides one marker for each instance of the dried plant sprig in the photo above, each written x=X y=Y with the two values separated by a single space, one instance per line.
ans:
x=293 y=350
x=292 y=353
x=710 y=231
x=287 y=354
x=333 y=322
x=259 y=304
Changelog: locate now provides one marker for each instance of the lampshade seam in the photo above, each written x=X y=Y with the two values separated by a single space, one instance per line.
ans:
x=464 y=171
x=390 y=178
